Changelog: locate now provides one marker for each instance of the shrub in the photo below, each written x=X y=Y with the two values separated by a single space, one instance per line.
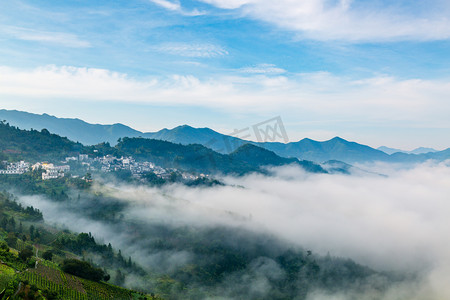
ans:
x=25 y=254
x=83 y=269
x=4 y=247
x=47 y=255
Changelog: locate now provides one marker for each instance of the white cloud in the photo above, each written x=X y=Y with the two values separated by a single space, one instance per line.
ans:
x=390 y=223
x=321 y=96
x=394 y=223
x=192 y=50
x=263 y=69
x=167 y=4
x=58 y=38
x=230 y=4
x=176 y=7
x=349 y=20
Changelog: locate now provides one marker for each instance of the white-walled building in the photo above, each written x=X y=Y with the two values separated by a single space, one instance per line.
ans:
x=16 y=168
x=52 y=174
x=51 y=171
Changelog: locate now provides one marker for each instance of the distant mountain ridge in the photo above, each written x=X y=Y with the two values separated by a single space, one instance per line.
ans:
x=335 y=149
x=420 y=150
x=32 y=146
x=306 y=149
x=74 y=129
x=196 y=157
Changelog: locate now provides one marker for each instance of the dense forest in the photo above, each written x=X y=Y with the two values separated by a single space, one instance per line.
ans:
x=40 y=261
x=33 y=145
x=195 y=157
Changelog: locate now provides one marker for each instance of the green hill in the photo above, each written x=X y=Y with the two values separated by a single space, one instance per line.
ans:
x=73 y=129
x=25 y=240
x=16 y=144
x=195 y=157
x=34 y=145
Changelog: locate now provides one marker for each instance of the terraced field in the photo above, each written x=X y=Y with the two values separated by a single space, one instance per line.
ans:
x=29 y=276
x=73 y=287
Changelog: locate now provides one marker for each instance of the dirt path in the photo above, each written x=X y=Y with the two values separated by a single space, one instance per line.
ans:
x=18 y=290
x=37 y=259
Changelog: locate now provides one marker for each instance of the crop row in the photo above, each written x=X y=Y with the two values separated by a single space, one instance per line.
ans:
x=72 y=287
x=105 y=291
x=45 y=284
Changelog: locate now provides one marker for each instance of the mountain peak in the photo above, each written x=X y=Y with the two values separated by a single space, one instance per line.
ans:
x=191 y=128
x=420 y=150
x=184 y=126
x=338 y=139
x=250 y=147
x=306 y=140
x=72 y=128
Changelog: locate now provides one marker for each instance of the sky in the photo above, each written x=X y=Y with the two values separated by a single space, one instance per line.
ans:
x=371 y=71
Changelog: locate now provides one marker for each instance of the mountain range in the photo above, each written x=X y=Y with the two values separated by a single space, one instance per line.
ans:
x=74 y=129
x=32 y=145
x=420 y=150
x=306 y=149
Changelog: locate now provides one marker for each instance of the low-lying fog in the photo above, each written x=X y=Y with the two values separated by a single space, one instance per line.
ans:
x=399 y=222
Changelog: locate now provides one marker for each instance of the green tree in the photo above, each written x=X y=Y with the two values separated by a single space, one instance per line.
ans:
x=83 y=269
x=32 y=232
x=11 y=239
x=12 y=224
x=119 y=278
x=47 y=255
x=4 y=223
x=25 y=254
x=4 y=247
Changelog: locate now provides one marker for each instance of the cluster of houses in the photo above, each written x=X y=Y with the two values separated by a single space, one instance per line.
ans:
x=50 y=170
x=106 y=163
x=110 y=163
x=15 y=168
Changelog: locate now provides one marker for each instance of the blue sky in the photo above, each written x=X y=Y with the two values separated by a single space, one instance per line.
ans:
x=375 y=72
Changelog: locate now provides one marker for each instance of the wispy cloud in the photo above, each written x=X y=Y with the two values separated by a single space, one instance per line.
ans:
x=52 y=37
x=192 y=50
x=348 y=20
x=263 y=69
x=176 y=7
x=381 y=98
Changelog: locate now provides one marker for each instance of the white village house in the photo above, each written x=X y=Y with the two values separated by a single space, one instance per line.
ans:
x=51 y=171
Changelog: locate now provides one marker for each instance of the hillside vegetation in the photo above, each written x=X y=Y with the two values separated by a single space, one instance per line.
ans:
x=16 y=144
x=306 y=149
x=35 y=265
x=33 y=145
x=222 y=260
x=164 y=255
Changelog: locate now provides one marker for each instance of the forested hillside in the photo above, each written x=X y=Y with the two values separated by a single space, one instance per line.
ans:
x=33 y=145
x=17 y=144
x=39 y=261
x=247 y=158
